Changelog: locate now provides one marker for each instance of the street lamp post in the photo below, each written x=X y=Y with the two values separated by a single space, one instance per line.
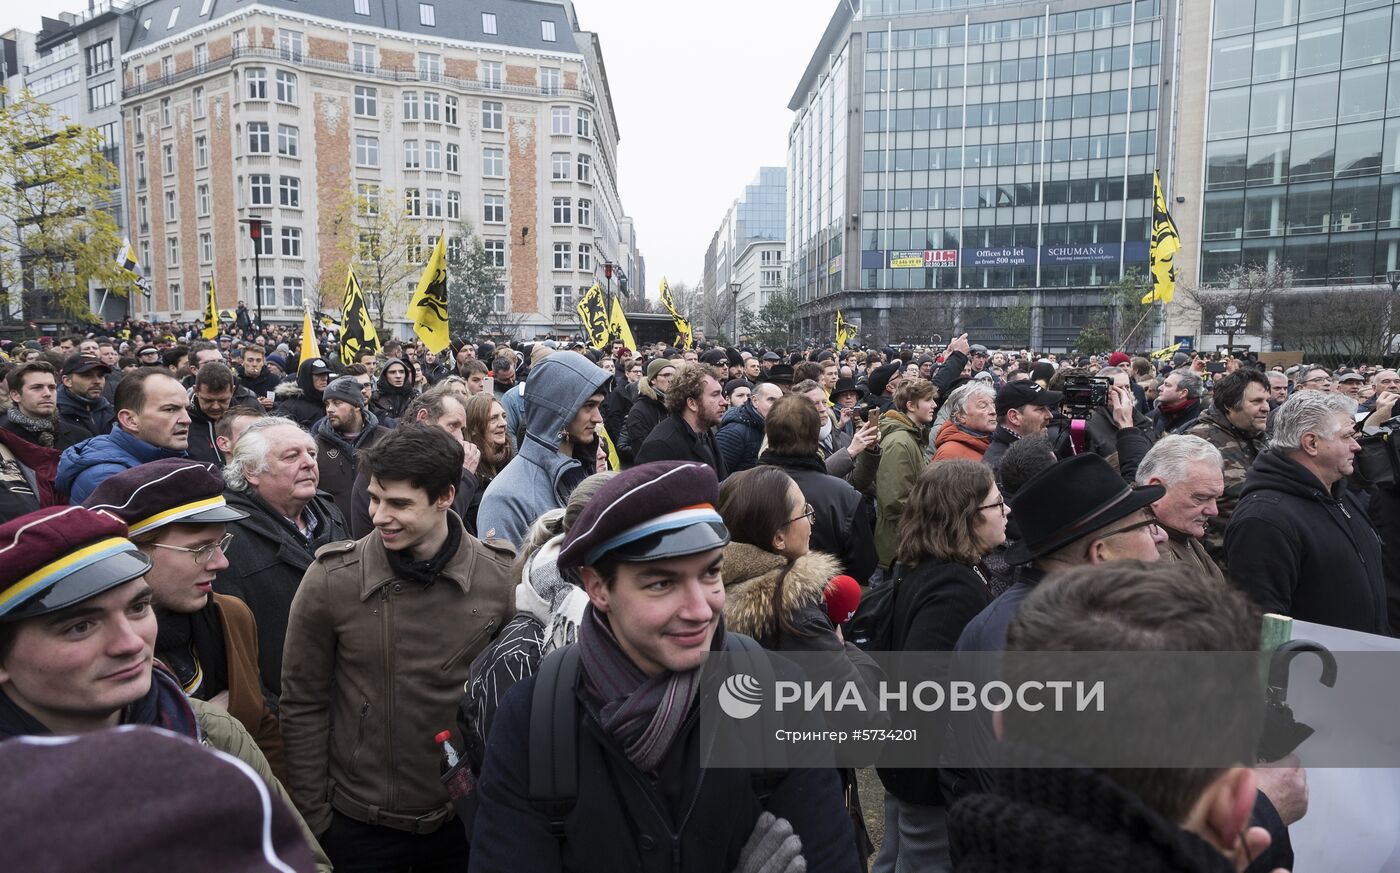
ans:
x=1393 y=277
x=256 y=228
x=734 y=289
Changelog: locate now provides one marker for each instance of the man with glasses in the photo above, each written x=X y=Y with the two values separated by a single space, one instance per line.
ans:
x=176 y=515
x=1189 y=469
x=1312 y=378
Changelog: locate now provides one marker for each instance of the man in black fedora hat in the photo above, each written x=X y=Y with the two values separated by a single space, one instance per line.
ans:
x=1076 y=512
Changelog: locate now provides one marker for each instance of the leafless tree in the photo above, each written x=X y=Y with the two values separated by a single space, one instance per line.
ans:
x=1253 y=290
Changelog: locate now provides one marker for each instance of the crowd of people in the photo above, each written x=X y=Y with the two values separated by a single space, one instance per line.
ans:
x=341 y=573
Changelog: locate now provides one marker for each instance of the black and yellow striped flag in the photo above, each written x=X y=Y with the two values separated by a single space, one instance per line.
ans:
x=357 y=333
x=1166 y=242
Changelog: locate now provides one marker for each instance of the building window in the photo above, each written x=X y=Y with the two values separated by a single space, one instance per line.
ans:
x=266 y=291
x=563 y=256
x=204 y=7
x=291 y=242
x=361 y=7
x=262 y=246
x=201 y=152
x=256 y=77
x=288 y=140
x=585 y=124
x=165 y=111
x=206 y=248
x=413 y=202
x=585 y=257
x=495 y=252
x=100 y=96
x=426 y=15
x=201 y=198
x=498 y=301
x=410 y=154
x=138 y=124
x=493 y=163
x=364 y=57
x=292 y=288
x=201 y=57
x=289 y=188
x=410 y=106
x=289 y=45
x=167 y=159
x=432 y=203
x=429 y=67
x=454 y=205
x=559 y=120
x=143 y=216
x=141 y=169
x=563 y=210
x=453 y=160
x=170 y=206
x=491 y=74
x=200 y=104
x=585 y=214
x=770 y=278
x=99 y=57
x=258 y=140
x=585 y=168
x=454 y=243
x=432 y=155
x=366 y=151
x=369 y=199
x=488 y=23
x=563 y=298
x=172 y=252
x=494 y=209
x=547 y=31
x=432 y=106
x=449 y=110
x=492 y=115
x=167 y=65
x=559 y=165
x=366 y=101
x=176 y=303
x=549 y=80
x=286 y=87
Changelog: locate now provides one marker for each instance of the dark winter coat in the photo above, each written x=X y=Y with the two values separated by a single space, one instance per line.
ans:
x=616 y=407
x=673 y=440
x=92 y=417
x=1165 y=423
x=64 y=433
x=338 y=460
x=261 y=384
x=267 y=558
x=203 y=443
x=1301 y=551
x=390 y=402
x=298 y=400
x=740 y=436
x=845 y=522
x=642 y=418
x=91 y=462
x=1002 y=439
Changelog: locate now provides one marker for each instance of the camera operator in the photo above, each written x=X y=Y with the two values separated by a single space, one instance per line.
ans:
x=1104 y=425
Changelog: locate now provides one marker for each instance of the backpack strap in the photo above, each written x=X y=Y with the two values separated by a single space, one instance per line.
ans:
x=553 y=778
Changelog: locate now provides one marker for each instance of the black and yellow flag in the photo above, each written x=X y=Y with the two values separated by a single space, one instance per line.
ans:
x=126 y=256
x=685 y=337
x=1165 y=244
x=357 y=333
x=845 y=331
x=618 y=328
x=429 y=303
x=593 y=314
x=211 y=315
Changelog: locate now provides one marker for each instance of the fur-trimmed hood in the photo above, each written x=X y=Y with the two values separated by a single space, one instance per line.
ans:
x=285 y=390
x=751 y=582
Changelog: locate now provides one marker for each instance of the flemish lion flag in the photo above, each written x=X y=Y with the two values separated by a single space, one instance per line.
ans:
x=211 y=315
x=357 y=333
x=685 y=337
x=309 y=348
x=618 y=328
x=126 y=256
x=1165 y=244
x=845 y=332
x=594 y=316
x=429 y=303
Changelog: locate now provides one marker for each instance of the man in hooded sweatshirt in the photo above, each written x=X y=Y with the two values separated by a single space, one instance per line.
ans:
x=562 y=401
x=394 y=390
x=303 y=402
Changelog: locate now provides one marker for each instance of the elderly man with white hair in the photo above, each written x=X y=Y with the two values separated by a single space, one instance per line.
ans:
x=272 y=475
x=1299 y=542
x=1190 y=469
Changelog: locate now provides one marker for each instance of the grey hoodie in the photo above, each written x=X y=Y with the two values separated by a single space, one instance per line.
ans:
x=539 y=479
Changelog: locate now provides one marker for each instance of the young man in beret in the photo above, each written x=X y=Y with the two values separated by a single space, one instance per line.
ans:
x=380 y=638
x=77 y=641
x=176 y=515
x=648 y=547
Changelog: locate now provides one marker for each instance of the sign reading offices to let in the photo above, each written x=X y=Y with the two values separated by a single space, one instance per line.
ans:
x=925 y=258
x=1000 y=256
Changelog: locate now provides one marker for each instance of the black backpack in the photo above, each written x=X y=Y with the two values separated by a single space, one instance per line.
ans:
x=872 y=627
x=553 y=776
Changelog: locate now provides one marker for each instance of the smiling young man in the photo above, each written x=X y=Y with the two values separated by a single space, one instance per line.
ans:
x=648 y=548
x=381 y=635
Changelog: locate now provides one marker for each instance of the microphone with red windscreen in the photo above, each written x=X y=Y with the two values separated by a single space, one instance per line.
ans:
x=842 y=599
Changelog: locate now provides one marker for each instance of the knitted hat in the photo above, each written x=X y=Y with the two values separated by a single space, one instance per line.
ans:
x=657 y=366
x=345 y=388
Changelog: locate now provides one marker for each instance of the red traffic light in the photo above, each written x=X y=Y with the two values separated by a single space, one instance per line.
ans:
x=607 y=270
x=255 y=229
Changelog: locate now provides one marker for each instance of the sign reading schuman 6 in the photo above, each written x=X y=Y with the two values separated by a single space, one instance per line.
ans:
x=926 y=258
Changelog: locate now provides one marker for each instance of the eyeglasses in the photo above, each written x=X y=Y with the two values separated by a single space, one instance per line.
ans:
x=1326 y=380
x=203 y=553
x=808 y=513
x=1000 y=504
x=1151 y=524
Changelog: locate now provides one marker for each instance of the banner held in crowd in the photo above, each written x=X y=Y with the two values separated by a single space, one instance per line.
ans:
x=429 y=303
x=309 y=348
x=126 y=256
x=845 y=332
x=594 y=316
x=1166 y=242
x=357 y=333
x=618 y=328
x=685 y=337
x=211 y=315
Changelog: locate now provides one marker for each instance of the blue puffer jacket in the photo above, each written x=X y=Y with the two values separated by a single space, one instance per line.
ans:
x=91 y=462
x=740 y=436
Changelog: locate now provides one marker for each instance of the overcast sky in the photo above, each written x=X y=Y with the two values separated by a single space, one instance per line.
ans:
x=701 y=93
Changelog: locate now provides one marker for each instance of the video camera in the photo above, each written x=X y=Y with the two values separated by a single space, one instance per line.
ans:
x=1084 y=394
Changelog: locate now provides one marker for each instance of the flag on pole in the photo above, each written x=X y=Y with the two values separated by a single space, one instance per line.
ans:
x=357 y=333
x=685 y=337
x=1165 y=244
x=618 y=328
x=211 y=315
x=126 y=256
x=594 y=316
x=429 y=303
x=613 y=462
x=1161 y=354
x=309 y=348
x=845 y=332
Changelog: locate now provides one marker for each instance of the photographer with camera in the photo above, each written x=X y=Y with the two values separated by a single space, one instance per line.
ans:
x=1103 y=425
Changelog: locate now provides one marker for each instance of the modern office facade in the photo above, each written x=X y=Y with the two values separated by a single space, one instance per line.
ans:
x=495 y=114
x=945 y=163
x=745 y=262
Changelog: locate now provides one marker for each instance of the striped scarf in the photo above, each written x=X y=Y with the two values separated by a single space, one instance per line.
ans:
x=643 y=713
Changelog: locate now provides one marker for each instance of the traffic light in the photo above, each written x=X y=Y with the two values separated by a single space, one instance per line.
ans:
x=255 y=228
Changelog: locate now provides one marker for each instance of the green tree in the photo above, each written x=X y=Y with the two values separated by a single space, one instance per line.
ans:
x=771 y=325
x=472 y=283
x=373 y=231
x=1015 y=320
x=1094 y=338
x=56 y=235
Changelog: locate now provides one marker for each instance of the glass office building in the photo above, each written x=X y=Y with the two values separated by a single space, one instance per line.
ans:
x=994 y=148
x=1302 y=162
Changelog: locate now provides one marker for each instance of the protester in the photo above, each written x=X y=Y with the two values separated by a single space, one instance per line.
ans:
x=695 y=403
x=485 y=428
x=33 y=413
x=394 y=390
x=1188 y=468
x=254 y=375
x=1234 y=423
x=211 y=397
x=1178 y=403
x=1023 y=409
x=740 y=433
x=903 y=436
x=648 y=410
x=80 y=400
x=347 y=429
x=301 y=401
x=971 y=420
x=152 y=423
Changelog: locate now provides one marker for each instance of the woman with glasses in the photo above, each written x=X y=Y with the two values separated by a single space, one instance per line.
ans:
x=775 y=587
x=954 y=518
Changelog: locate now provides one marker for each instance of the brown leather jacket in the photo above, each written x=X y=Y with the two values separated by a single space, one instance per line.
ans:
x=391 y=657
x=245 y=690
